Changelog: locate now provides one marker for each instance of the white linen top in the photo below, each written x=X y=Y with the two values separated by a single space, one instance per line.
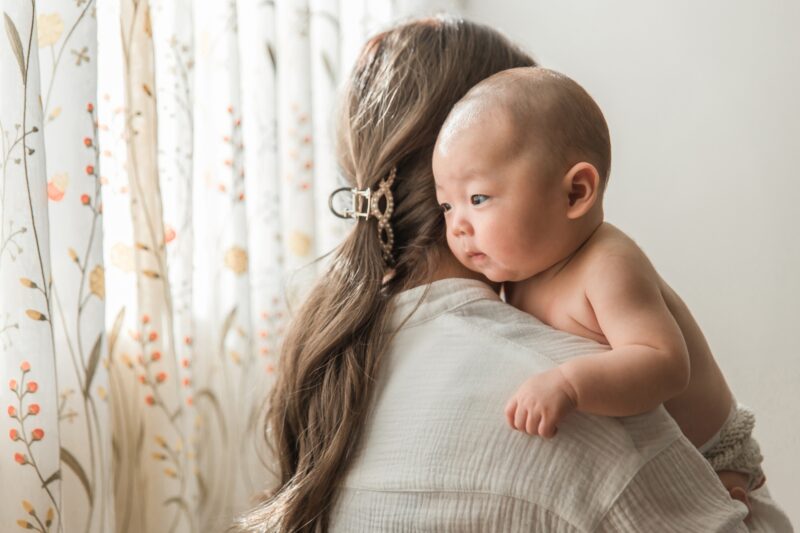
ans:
x=437 y=454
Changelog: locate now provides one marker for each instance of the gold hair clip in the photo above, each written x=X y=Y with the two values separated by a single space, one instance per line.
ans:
x=366 y=203
x=362 y=203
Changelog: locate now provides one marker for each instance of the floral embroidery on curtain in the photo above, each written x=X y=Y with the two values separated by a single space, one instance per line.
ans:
x=163 y=163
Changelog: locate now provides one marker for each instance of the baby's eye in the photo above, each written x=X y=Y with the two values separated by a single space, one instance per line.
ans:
x=478 y=199
x=445 y=207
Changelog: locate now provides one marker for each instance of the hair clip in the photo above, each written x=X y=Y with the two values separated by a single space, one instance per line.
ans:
x=366 y=203
x=362 y=203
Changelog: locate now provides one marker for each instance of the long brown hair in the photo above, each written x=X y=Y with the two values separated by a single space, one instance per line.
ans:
x=404 y=83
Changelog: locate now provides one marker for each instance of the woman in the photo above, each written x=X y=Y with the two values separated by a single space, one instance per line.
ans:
x=403 y=85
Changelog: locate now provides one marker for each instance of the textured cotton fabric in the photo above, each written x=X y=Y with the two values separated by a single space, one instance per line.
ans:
x=437 y=454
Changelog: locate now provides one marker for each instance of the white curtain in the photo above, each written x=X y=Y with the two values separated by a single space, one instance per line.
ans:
x=165 y=167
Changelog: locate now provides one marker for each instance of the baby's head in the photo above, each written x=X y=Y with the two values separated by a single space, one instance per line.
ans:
x=520 y=165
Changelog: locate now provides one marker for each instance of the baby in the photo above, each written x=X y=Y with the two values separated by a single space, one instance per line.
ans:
x=521 y=165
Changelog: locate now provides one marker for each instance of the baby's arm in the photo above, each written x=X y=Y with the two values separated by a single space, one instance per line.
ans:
x=647 y=365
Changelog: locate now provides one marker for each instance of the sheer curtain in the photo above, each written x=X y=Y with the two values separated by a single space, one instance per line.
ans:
x=165 y=166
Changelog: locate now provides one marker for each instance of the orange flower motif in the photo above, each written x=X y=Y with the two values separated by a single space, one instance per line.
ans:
x=89 y=169
x=153 y=336
x=149 y=400
x=14 y=434
x=155 y=356
x=189 y=401
x=13 y=385
x=87 y=142
x=12 y=412
x=270 y=368
x=53 y=192
x=145 y=319
x=161 y=377
x=142 y=379
x=38 y=434
x=187 y=341
x=21 y=459
x=33 y=386
x=33 y=409
x=25 y=366
x=187 y=382
x=89 y=107
x=185 y=363
x=169 y=234
x=85 y=199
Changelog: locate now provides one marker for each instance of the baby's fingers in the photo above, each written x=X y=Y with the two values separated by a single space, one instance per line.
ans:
x=547 y=427
x=511 y=409
x=520 y=417
x=532 y=424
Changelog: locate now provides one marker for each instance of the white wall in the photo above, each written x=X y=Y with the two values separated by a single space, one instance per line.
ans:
x=703 y=102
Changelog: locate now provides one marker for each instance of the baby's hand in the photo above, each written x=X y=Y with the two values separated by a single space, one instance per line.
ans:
x=540 y=403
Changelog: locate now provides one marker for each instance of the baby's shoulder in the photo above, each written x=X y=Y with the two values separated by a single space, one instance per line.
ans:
x=611 y=252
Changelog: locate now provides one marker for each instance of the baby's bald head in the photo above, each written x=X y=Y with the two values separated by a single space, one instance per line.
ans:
x=544 y=109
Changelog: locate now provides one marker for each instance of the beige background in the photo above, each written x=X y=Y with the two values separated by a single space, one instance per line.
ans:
x=703 y=102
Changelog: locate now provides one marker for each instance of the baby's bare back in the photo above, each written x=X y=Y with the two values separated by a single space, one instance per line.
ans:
x=559 y=298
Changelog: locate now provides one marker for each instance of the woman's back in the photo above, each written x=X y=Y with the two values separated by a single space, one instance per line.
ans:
x=436 y=454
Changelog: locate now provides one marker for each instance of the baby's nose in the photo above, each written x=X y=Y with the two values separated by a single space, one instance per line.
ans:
x=461 y=226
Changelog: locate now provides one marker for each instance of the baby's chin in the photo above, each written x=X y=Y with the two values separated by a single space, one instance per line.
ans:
x=491 y=274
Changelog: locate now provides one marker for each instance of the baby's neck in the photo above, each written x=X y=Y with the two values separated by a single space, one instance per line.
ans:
x=580 y=239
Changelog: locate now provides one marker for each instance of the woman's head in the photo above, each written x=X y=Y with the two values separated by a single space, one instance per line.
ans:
x=404 y=83
x=399 y=93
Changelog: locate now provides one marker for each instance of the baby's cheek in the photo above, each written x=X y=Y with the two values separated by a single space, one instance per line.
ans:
x=451 y=241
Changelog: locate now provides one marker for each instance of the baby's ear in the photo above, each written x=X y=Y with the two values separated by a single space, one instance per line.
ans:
x=583 y=189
